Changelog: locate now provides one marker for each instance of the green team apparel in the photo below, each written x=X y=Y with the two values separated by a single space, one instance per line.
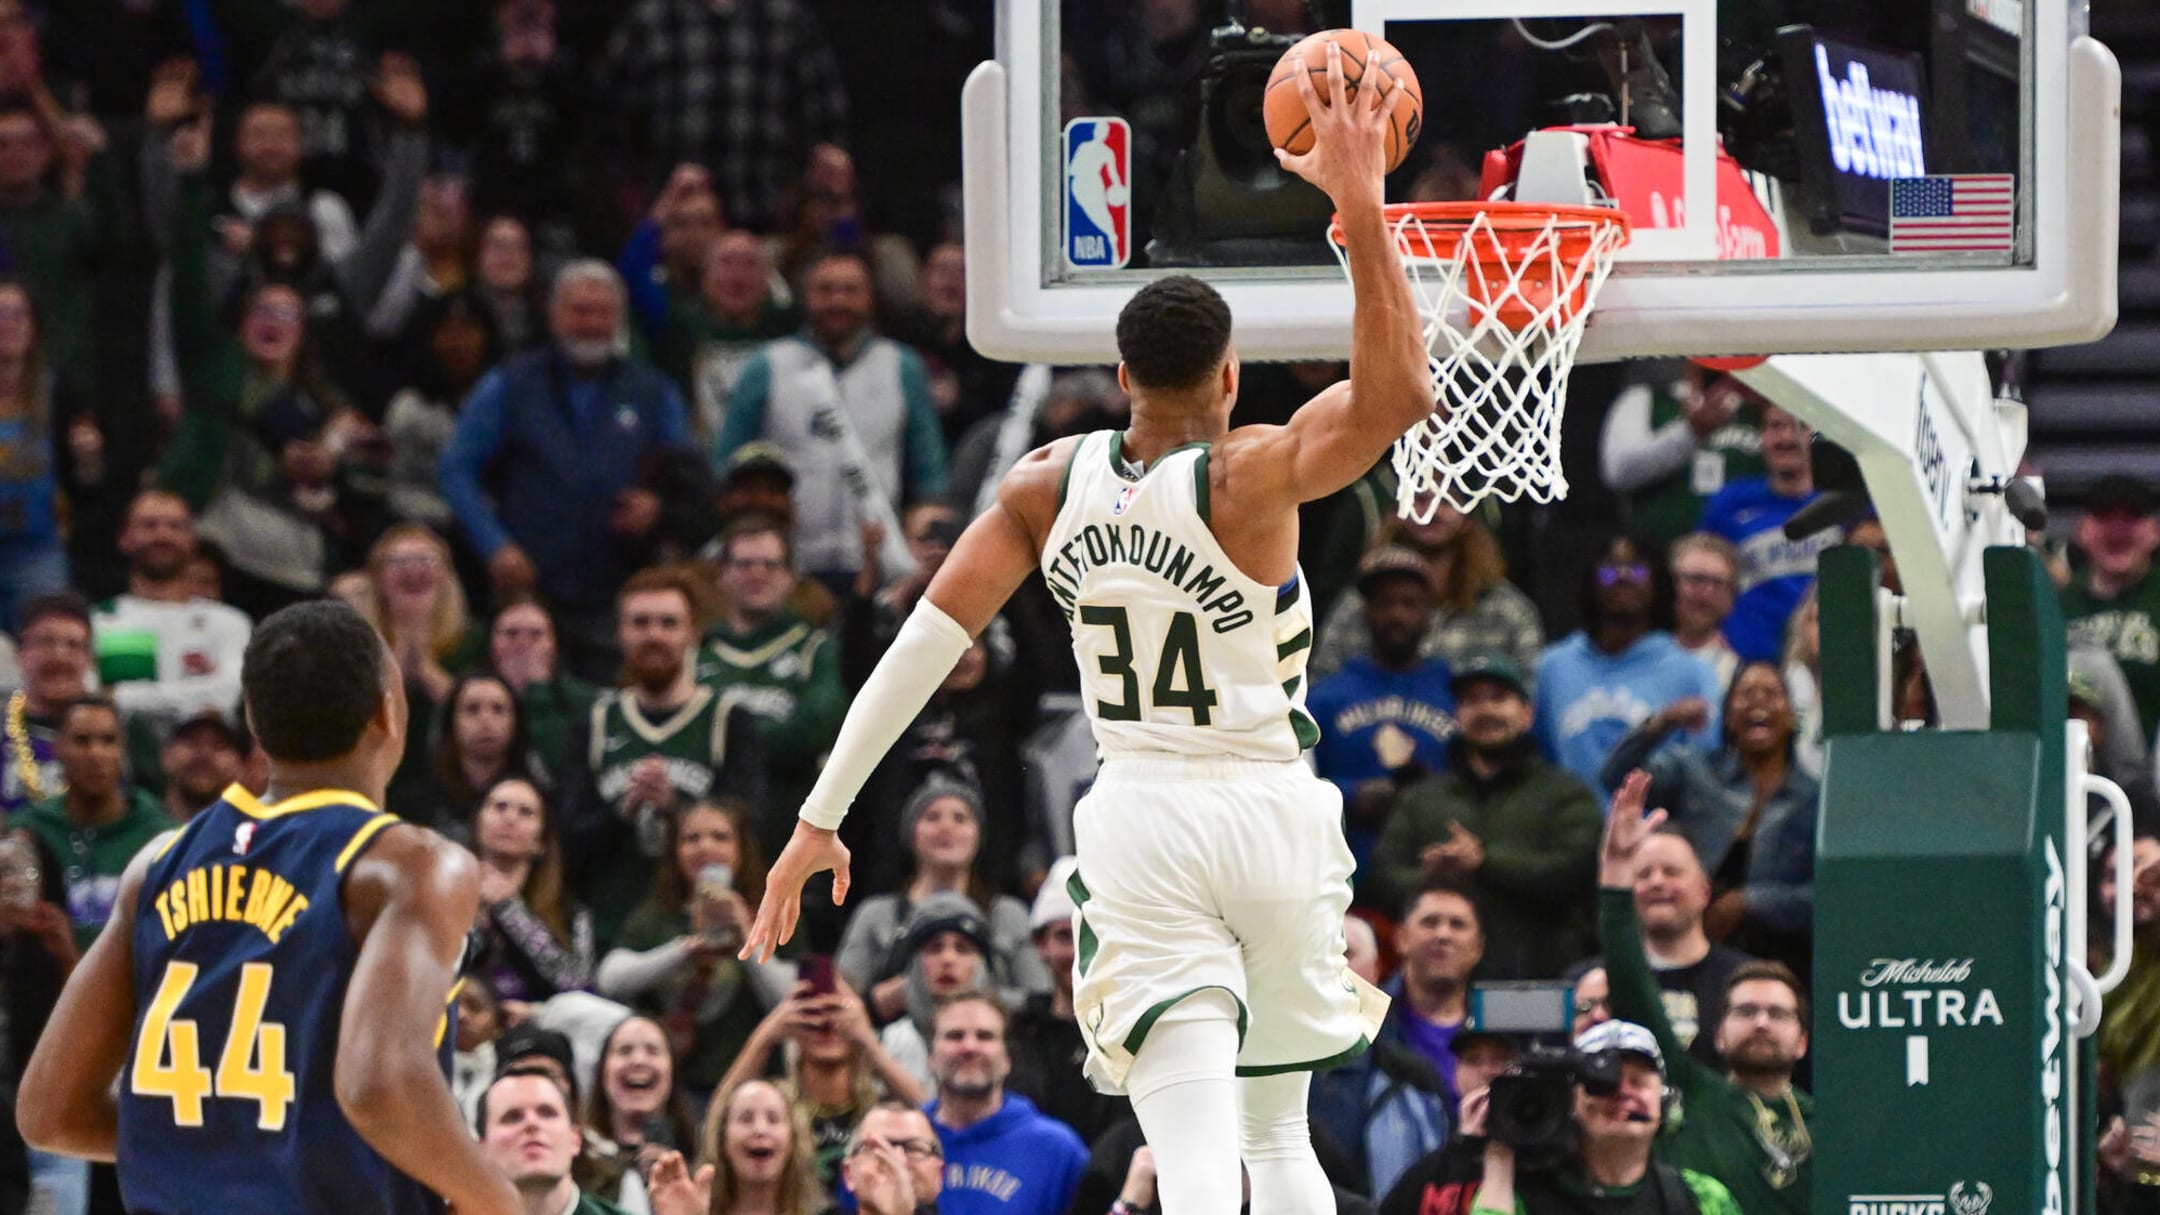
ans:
x=551 y=708
x=692 y=744
x=93 y=858
x=2127 y=626
x=1759 y=1147
x=787 y=675
x=1668 y=509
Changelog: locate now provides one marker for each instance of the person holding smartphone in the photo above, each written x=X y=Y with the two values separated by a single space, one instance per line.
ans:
x=838 y=1068
x=675 y=960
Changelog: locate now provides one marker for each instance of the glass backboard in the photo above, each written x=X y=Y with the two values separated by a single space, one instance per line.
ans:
x=1802 y=175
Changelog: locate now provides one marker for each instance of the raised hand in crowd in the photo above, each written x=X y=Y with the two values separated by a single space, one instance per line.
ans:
x=172 y=99
x=673 y=1189
x=1709 y=407
x=1626 y=827
x=76 y=137
x=850 y=1015
x=686 y=182
x=400 y=90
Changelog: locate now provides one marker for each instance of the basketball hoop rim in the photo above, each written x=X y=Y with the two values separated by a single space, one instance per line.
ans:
x=1504 y=218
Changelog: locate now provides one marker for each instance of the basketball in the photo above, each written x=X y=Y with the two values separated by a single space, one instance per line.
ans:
x=1289 y=127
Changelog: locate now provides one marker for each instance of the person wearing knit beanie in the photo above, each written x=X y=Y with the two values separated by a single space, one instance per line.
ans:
x=942 y=828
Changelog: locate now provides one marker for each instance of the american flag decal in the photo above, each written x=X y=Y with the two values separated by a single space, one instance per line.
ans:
x=1957 y=214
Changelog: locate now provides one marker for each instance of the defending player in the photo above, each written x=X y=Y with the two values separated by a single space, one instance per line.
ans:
x=272 y=989
x=1213 y=875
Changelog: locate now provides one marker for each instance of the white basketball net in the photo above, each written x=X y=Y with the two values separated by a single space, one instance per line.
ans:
x=1504 y=309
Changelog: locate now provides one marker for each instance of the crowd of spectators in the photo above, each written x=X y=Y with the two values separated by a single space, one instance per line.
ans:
x=612 y=361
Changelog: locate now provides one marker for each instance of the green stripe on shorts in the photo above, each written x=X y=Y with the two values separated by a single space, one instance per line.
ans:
x=1088 y=942
x=1146 y=1023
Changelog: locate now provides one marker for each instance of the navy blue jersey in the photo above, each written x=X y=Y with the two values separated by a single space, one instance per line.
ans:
x=241 y=960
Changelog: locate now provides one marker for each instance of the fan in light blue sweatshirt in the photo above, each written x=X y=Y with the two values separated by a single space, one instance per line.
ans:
x=1597 y=683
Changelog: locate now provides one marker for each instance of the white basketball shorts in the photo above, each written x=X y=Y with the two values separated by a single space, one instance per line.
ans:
x=1216 y=873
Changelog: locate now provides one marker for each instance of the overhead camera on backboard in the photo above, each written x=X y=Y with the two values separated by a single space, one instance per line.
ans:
x=1227 y=201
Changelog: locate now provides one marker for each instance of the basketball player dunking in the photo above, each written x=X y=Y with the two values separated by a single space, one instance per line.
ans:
x=1213 y=876
x=272 y=990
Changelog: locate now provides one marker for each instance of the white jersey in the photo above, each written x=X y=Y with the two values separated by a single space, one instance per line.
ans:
x=1179 y=651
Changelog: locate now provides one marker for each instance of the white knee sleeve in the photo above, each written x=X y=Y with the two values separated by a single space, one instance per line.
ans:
x=1185 y=1093
x=1276 y=1139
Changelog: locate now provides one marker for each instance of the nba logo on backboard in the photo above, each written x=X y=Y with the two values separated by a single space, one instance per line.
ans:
x=1124 y=499
x=1098 y=193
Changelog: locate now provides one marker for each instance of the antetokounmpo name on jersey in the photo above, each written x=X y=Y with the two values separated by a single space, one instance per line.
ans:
x=1100 y=544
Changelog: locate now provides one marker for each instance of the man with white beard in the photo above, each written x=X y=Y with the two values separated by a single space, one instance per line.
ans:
x=543 y=472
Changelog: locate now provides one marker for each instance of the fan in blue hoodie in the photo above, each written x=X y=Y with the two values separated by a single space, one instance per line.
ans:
x=1385 y=718
x=1776 y=572
x=1598 y=683
x=1002 y=1155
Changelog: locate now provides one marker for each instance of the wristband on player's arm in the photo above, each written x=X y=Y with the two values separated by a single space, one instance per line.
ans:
x=929 y=646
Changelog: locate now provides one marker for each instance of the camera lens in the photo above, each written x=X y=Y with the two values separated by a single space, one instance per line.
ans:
x=1531 y=1108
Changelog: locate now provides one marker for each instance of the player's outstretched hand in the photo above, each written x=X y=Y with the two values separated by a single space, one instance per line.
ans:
x=1626 y=827
x=811 y=850
x=1348 y=158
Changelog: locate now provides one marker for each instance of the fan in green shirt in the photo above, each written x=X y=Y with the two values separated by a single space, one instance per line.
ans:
x=762 y=656
x=522 y=649
x=98 y=825
x=1747 y=1126
x=2115 y=602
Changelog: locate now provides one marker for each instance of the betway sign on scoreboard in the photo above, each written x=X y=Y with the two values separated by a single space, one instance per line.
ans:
x=1943 y=1072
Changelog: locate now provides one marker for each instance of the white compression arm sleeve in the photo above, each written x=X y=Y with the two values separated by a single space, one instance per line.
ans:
x=928 y=648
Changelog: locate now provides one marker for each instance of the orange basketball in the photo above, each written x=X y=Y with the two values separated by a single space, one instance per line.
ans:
x=1289 y=127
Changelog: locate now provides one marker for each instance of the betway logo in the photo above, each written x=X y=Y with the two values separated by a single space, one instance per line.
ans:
x=1873 y=132
x=2051 y=1040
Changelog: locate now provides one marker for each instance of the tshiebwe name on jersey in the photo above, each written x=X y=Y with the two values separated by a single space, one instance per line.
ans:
x=234 y=894
x=1099 y=544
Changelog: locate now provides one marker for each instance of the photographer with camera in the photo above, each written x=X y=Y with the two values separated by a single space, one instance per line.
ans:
x=1746 y=1125
x=1568 y=1132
